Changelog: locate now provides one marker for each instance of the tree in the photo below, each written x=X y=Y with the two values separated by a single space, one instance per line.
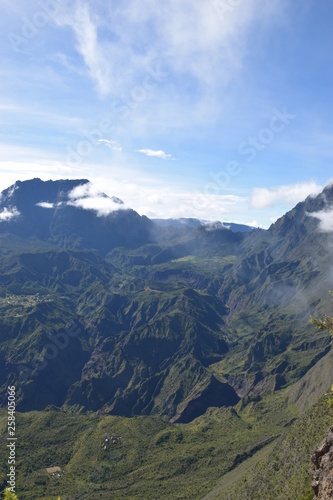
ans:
x=324 y=324
x=9 y=495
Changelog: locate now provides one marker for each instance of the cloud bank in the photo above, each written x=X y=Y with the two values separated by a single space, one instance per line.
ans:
x=291 y=194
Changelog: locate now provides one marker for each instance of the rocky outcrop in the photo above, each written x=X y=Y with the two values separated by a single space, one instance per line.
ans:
x=322 y=469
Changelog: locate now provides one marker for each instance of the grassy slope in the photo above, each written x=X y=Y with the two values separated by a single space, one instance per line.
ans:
x=282 y=470
x=230 y=479
x=258 y=449
x=153 y=458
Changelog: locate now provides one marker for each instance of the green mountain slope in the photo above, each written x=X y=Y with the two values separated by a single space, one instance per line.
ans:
x=283 y=470
x=153 y=458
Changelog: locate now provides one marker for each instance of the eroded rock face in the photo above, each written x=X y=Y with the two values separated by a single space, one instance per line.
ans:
x=322 y=469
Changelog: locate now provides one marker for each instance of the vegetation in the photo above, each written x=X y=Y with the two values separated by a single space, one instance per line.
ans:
x=324 y=324
x=151 y=457
x=9 y=495
x=283 y=471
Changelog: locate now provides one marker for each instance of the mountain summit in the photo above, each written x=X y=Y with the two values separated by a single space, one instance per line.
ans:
x=72 y=214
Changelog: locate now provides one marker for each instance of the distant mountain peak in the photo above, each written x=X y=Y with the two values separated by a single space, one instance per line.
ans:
x=35 y=190
x=70 y=212
x=59 y=193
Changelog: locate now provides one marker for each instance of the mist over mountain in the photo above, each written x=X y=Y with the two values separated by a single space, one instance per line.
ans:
x=194 y=223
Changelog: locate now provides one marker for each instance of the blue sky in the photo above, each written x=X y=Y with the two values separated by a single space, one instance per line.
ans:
x=219 y=110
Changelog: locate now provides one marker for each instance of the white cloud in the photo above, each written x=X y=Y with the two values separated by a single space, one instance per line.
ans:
x=81 y=191
x=45 y=204
x=111 y=144
x=103 y=206
x=326 y=219
x=89 y=197
x=290 y=194
x=156 y=154
x=6 y=214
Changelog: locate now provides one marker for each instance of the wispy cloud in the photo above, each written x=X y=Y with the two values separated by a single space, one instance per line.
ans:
x=111 y=144
x=291 y=194
x=85 y=28
x=107 y=40
x=155 y=153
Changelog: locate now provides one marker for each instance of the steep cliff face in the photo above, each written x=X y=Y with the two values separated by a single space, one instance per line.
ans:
x=322 y=469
